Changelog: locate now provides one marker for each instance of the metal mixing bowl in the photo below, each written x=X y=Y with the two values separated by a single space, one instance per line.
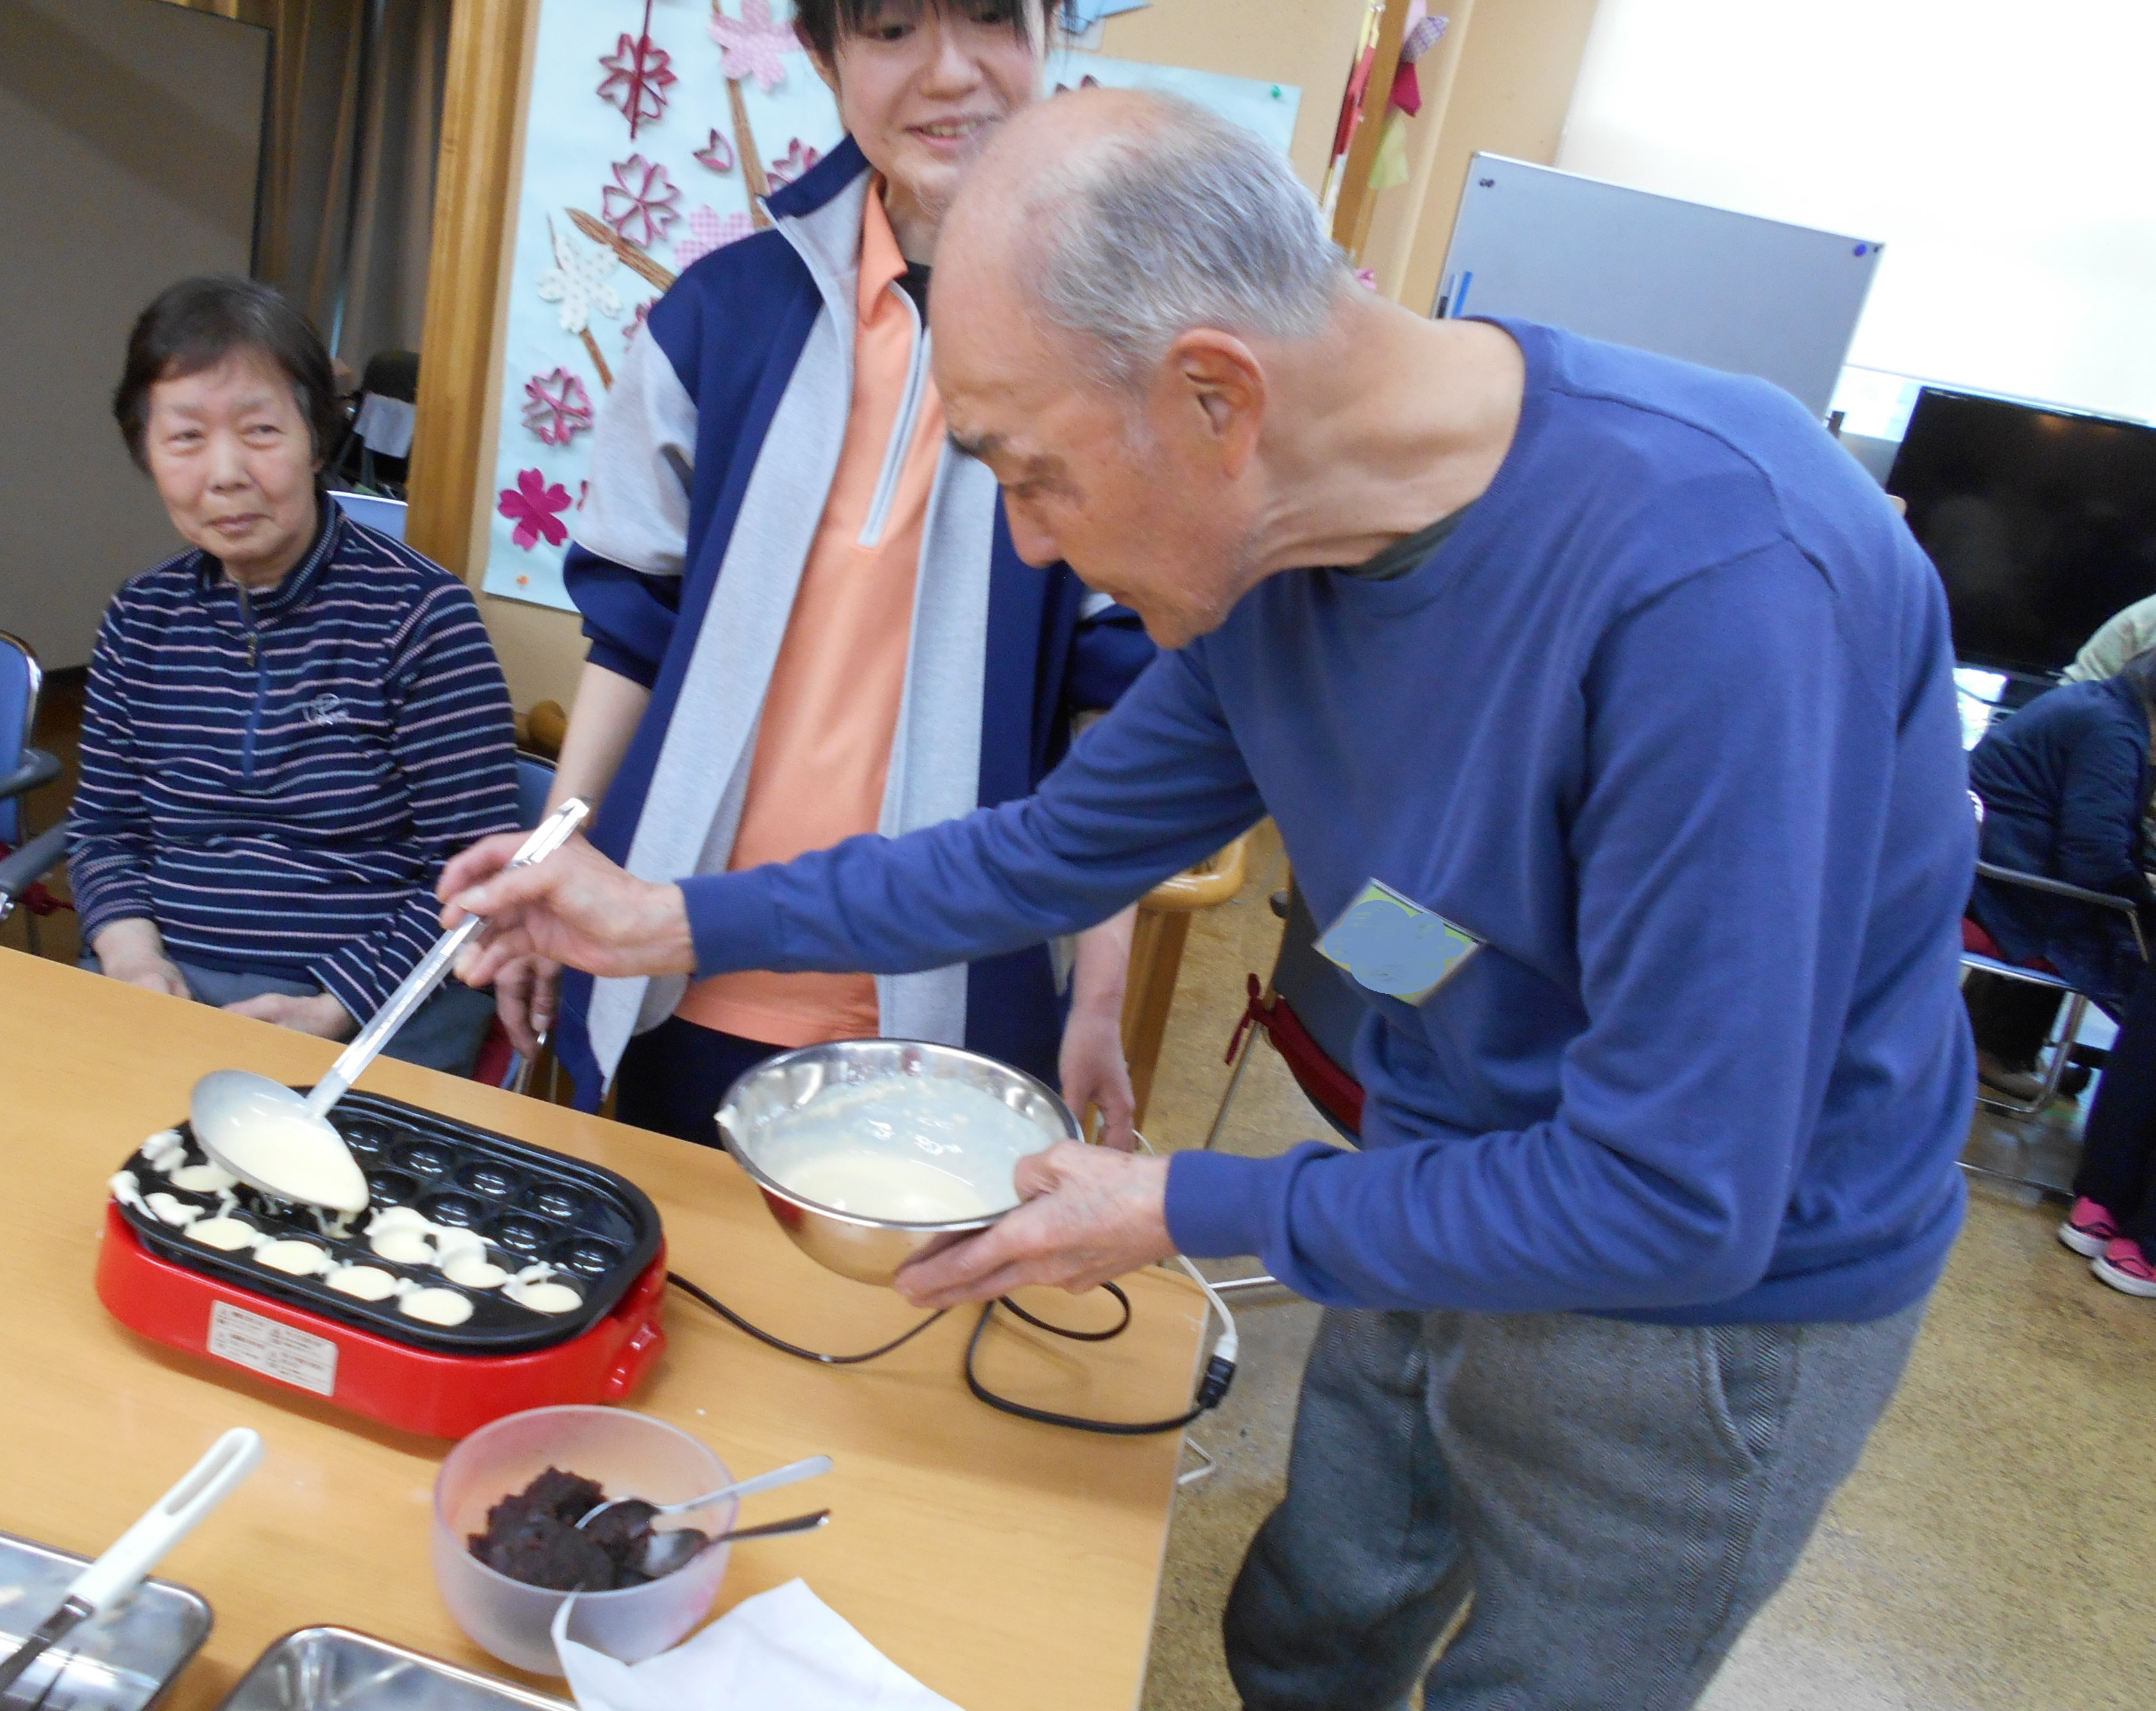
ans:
x=869 y=1250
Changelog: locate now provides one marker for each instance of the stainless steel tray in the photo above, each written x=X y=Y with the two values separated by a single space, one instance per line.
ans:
x=335 y=1669
x=122 y=1661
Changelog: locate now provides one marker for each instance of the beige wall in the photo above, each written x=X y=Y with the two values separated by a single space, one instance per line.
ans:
x=1309 y=43
x=1509 y=67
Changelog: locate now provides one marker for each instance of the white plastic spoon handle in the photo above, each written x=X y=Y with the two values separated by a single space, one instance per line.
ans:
x=139 y=1549
x=418 y=986
x=790 y=1474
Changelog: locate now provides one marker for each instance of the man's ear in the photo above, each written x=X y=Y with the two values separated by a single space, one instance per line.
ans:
x=1219 y=376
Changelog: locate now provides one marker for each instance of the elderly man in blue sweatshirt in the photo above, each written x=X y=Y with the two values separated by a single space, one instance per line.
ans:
x=1615 y=669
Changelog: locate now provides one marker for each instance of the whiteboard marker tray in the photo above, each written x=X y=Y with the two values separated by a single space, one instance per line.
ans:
x=335 y=1669
x=120 y=1660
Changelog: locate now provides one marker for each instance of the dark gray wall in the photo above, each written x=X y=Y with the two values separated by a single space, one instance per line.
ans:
x=129 y=136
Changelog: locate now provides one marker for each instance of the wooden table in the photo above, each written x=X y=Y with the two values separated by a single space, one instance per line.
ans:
x=1003 y=1564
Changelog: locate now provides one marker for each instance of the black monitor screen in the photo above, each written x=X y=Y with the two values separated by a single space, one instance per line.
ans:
x=2042 y=524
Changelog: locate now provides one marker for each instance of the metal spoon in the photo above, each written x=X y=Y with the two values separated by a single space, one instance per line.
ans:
x=665 y=1552
x=791 y=1474
x=229 y=1104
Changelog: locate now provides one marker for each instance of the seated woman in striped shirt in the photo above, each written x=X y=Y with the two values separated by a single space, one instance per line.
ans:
x=290 y=726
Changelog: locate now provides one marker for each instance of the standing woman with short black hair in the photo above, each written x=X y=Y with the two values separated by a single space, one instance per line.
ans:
x=807 y=619
x=290 y=726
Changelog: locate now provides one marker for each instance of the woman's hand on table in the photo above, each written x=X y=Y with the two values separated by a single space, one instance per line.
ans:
x=134 y=951
x=321 y=1014
x=1093 y=1072
x=575 y=907
x=527 y=997
x=1090 y=1215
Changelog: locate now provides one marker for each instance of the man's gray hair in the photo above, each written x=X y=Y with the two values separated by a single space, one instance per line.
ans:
x=1186 y=221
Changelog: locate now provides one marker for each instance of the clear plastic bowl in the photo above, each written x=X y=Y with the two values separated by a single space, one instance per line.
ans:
x=630 y=1455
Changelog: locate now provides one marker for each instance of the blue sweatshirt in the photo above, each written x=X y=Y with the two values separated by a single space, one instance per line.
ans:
x=276 y=779
x=1669 y=721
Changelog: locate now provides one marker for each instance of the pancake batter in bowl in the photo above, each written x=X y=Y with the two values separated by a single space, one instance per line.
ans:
x=909 y=1149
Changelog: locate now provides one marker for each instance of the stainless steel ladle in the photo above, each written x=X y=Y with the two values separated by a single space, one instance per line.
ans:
x=227 y=1103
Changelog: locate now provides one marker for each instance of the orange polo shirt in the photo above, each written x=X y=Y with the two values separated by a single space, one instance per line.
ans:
x=822 y=748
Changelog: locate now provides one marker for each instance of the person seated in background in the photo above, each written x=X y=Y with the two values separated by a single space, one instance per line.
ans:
x=2064 y=784
x=2118 y=639
x=2114 y=1220
x=291 y=725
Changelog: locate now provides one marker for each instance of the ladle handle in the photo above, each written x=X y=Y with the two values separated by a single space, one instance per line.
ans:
x=418 y=986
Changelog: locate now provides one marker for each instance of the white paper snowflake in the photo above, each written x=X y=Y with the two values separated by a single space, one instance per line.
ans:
x=578 y=282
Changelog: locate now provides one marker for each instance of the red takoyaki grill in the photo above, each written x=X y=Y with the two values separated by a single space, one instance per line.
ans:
x=593 y=1231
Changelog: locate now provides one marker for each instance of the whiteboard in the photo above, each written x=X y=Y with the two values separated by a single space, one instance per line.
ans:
x=1730 y=290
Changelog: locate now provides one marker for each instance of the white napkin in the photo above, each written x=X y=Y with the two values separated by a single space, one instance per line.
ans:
x=783 y=1650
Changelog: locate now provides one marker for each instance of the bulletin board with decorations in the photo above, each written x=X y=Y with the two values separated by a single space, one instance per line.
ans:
x=653 y=129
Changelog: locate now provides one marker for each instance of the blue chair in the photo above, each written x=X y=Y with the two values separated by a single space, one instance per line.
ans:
x=535 y=778
x=383 y=516
x=23 y=769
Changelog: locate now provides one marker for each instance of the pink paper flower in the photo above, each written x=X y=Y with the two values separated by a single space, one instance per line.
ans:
x=536 y=509
x=638 y=74
x=754 y=46
x=635 y=325
x=640 y=203
x=717 y=154
x=709 y=230
x=797 y=160
x=558 y=408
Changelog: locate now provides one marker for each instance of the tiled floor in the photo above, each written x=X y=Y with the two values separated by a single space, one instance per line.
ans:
x=1986 y=1554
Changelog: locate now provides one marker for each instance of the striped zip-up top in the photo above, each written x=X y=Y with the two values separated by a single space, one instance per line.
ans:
x=276 y=779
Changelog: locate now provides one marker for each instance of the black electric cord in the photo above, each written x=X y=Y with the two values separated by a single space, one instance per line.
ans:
x=739 y=1323
x=1219 y=1370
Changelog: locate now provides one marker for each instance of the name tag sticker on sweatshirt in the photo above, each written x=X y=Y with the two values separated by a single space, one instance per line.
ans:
x=1391 y=945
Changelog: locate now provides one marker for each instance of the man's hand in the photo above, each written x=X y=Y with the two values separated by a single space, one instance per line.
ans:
x=321 y=1014
x=133 y=950
x=1093 y=1072
x=1090 y=1215
x=575 y=907
x=527 y=997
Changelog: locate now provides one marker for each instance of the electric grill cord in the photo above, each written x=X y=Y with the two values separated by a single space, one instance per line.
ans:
x=1219 y=1366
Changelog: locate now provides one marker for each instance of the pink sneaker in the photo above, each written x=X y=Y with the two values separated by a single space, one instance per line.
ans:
x=2125 y=1267
x=2088 y=1227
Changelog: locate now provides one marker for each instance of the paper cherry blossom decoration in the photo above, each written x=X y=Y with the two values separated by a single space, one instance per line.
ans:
x=752 y=46
x=536 y=508
x=635 y=325
x=709 y=230
x=641 y=202
x=578 y=281
x=556 y=406
x=717 y=154
x=797 y=160
x=638 y=75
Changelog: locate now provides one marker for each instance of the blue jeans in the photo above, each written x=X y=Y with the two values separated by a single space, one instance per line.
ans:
x=1619 y=1499
x=446 y=1034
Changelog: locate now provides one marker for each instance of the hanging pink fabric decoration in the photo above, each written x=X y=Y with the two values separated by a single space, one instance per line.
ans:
x=535 y=507
x=638 y=75
x=641 y=202
x=717 y=154
x=556 y=406
x=797 y=160
x=709 y=230
x=754 y=46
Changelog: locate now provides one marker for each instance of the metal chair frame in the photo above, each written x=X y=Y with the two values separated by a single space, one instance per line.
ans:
x=32 y=770
x=2077 y=1003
